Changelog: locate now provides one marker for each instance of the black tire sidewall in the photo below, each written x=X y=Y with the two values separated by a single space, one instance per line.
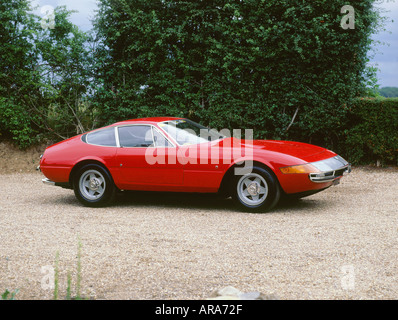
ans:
x=109 y=192
x=272 y=197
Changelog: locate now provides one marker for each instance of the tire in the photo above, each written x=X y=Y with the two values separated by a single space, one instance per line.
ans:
x=93 y=186
x=257 y=191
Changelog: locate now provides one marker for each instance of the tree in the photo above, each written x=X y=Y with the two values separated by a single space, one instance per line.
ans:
x=17 y=64
x=284 y=68
x=389 y=92
x=45 y=75
x=66 y=77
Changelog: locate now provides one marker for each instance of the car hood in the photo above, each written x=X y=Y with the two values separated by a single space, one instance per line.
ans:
x=304 y=151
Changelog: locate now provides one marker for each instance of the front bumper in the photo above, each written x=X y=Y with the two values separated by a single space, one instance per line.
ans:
x=330 y=175
x=331 y=169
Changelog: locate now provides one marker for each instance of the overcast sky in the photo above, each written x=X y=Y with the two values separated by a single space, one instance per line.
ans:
x=386 y=57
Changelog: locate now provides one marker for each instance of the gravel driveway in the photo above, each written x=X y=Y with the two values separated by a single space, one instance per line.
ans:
x=339 y=244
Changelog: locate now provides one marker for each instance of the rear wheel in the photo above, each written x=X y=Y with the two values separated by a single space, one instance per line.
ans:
x=93 y=186
x=257 y=191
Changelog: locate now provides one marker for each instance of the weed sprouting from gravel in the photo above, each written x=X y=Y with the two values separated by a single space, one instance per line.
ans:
x=7 y=295
x=79 y=270
x=69 y=278
x=56 y=276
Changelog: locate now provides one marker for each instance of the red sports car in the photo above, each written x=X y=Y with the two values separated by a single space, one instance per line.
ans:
x=179 y=155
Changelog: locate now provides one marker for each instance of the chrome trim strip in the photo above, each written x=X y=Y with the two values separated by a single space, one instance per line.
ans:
x=48 y=182
x=329 y=176
x=117 y=137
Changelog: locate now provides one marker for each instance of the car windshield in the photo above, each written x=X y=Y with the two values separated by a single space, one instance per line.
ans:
x=187 y=132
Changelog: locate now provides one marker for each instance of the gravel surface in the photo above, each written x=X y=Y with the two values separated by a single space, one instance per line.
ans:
x=339 y=244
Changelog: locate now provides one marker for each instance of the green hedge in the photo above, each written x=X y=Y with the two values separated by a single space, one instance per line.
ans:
x=372 y=131
x=282 y=68
x=16 y=123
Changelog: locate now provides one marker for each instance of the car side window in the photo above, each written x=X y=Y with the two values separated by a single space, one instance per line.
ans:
x=160 y=140
x=135 y=136
x=105 y=137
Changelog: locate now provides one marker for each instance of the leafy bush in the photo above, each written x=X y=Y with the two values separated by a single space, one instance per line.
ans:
x=286 y=69
x=282 y=68
x=7 y=295
x=372 y=133
x=46 y=77
x=389 y=92
x=17 y=122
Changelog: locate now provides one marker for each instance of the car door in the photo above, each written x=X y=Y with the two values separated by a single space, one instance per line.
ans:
x=203 y=166
x=143 y=159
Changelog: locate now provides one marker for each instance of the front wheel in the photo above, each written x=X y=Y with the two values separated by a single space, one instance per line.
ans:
x=94 y=186
x=257 y=191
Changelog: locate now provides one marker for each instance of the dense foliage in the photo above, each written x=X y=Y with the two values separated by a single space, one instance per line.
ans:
x=389 y=92
x=18 y=60
x=66 y=71
x=287 y=69
x=45 y=75
x=372 y=131
x=235 y=64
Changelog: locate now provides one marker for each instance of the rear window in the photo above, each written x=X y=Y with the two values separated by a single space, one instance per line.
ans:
x=104 y=137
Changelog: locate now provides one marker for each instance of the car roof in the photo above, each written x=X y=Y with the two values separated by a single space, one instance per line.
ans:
x=147 y=120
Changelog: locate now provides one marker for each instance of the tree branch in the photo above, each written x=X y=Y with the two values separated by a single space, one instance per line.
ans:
x=294 y=118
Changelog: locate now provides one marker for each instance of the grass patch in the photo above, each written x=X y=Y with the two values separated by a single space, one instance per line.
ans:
x=8 y=295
